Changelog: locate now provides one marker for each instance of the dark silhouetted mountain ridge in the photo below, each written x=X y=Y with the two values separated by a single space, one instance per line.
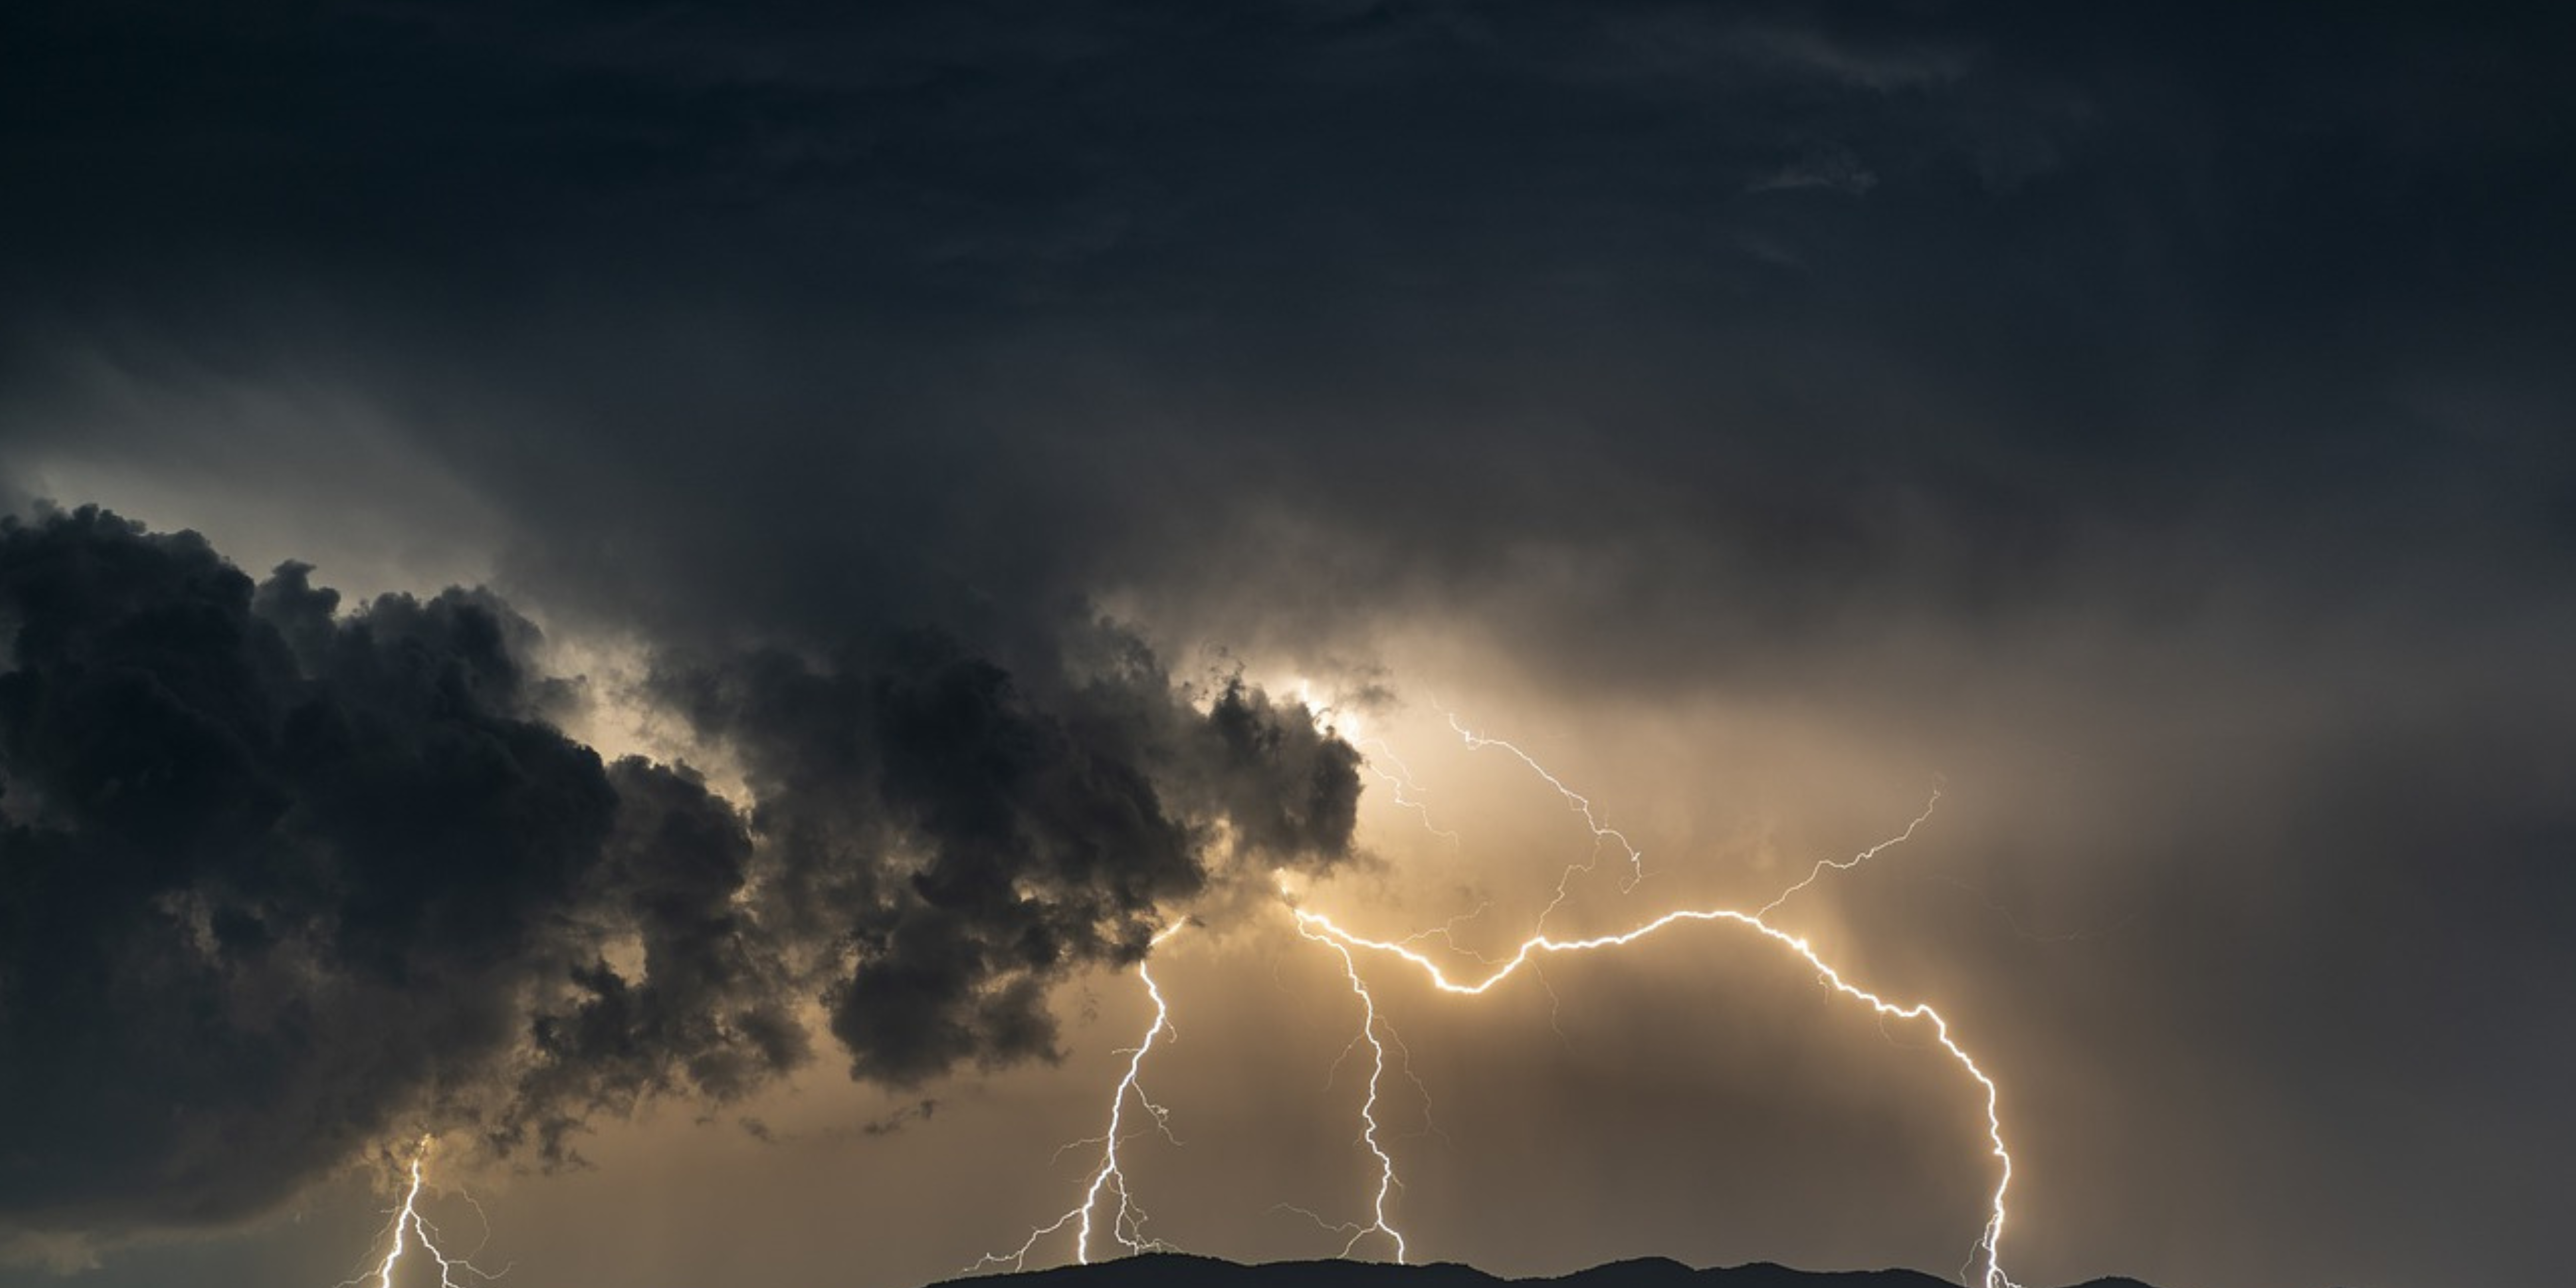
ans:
x=1180 y=1270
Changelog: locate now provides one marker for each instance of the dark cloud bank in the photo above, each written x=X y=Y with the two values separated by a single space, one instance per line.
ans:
x=2172 y=397
x=278 y=879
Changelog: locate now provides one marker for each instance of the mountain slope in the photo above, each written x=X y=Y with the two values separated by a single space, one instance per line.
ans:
x=1179 y=1270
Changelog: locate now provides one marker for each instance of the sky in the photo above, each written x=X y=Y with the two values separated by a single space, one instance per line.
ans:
x=671 y=597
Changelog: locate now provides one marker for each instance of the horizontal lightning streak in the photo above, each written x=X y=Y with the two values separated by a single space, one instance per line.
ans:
x=1126 y=1224
x=1989 y=1244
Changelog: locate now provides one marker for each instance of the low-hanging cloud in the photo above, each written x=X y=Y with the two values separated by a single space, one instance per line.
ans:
x=308 y=876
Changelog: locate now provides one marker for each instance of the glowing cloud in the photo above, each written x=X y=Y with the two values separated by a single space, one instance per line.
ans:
x=1985 y=1265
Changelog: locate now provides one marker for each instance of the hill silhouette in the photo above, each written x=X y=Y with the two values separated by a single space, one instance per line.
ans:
x=1181 y=1270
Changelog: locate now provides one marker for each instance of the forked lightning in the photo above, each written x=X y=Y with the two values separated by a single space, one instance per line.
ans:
x=1127 y=1224
x=1386 y=1182
x=407 y=1221
x=1989 y=1243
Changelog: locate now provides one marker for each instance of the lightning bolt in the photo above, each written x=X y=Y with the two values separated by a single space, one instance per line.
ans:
x=408 y=1220
x=1386 y=1182
x=1540 y=944
x=1989 y=1243
x=1408 y=794
x=1127 y=1224
x=1602 y=833
x=1845 y=865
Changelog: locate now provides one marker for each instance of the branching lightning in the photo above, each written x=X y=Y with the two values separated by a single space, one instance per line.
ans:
x=1540 y=944
x=1602 y=833
x=1127 y=1224
x=407 y=1221
x=1408 y=794
x=1386 y=1182
x=1989 y=1244
x=1846 y=865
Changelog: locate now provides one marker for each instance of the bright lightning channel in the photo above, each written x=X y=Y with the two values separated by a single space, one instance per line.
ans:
x=1317 y=926
x=1989 y=1243
x=1386 y=1182
x=408 y=1220
x=1127 y=1225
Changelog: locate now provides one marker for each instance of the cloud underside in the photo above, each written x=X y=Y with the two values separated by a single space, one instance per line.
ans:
x=297 y=877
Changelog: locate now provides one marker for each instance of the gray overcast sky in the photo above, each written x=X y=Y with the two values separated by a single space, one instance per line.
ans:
x=918 y=472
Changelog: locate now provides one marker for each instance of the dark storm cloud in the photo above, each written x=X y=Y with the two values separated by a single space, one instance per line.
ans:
x=2182 y=388
x=911 y=281
x=281 y=880
x=1034 y=837
x=712 y=1012
x=282 y=873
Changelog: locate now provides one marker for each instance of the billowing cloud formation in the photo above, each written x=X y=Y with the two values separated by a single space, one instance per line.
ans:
x=303 y=876
x=2154 y=419
x=1023 y=839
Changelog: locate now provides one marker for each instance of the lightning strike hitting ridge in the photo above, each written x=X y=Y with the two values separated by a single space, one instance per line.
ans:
x=1989 y=1243
x=1386 y=1182
x=1317 y=926
x=1127 y=1226
x=408 y=1220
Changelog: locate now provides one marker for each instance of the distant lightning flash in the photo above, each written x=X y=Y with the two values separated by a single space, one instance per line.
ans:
x=408 y=1220
x=1127 y=1225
